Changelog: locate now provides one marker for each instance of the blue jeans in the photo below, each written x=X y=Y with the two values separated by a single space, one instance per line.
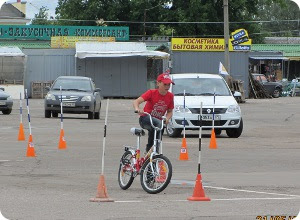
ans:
x=146 y=124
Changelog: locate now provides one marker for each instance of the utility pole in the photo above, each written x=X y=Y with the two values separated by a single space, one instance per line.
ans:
x=144 y=34
x=145 y=15
x=226 y=36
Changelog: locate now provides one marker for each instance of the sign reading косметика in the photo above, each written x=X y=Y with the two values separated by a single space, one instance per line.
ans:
x=239 y=42
x=45 y=32
x=206 y=44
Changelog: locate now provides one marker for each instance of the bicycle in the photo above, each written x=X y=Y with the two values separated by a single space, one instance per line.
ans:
x=155 y=169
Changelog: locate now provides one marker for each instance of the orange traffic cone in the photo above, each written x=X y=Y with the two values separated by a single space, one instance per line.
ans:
x=101 y=192
x=198 y=194
x=213 y=142
x=30 y=148
x=21 y=136
x=183 y=151
x=62 y=142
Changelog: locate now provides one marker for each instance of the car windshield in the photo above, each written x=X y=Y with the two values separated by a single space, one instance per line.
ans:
x=200 y=86
x=72 y=84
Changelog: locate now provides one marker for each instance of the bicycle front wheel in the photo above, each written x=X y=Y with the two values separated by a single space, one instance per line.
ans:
x=126 y=177
x=157 y=180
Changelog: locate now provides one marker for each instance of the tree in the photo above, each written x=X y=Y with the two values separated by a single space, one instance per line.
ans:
x=209 y=14
x=278 y=12
x=42 y=17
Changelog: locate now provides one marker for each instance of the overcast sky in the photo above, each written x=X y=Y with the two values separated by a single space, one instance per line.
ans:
x=33 y=6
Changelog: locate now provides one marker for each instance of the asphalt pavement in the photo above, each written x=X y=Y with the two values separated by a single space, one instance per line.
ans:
x=256 y=176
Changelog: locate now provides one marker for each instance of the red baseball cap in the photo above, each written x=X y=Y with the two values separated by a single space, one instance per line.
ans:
x=165 y=78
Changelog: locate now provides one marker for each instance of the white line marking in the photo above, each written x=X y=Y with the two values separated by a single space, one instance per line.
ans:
x=240 y=199
x=231 y=199
x=133 y=201
x=188 y=182
x=251 y=191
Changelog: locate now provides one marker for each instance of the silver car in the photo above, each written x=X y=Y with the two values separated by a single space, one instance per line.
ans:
x=79 y=96
x=218 y=104
x=6 y=102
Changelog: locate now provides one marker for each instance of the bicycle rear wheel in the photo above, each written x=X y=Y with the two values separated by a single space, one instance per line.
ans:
x=157 y=181
x=126 y=177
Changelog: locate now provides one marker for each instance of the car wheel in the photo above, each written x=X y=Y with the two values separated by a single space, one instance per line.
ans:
x=54 y=114
x=47 y=114
x=97 y=114
x=173 y=132
x=276 y=93
x=6 y=112
x=91 y=115
x=218 y=131
x=235 y=132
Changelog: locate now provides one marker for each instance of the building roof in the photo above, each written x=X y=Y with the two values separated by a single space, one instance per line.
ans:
x=282 y=40
x=288 y=50
x=8 y=10
x=11 y=52
x=115 y=49
x=11 y=15
x=26 y=45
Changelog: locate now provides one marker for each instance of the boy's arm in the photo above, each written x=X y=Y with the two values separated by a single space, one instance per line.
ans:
x=136 y=105
x=169 y=115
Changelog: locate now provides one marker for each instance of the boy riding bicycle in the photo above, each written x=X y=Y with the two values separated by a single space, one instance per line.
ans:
x=158 y=102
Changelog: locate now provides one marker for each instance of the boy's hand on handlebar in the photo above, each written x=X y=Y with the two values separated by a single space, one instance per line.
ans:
x=139 y=111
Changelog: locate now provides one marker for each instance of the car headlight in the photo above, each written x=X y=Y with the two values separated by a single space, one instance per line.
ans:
x=50 y=97
x=180 y=109
x=87 y=98
x=9 y=98
x=234 y=109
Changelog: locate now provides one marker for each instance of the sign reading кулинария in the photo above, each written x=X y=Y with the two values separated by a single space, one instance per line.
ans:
x=45 y=32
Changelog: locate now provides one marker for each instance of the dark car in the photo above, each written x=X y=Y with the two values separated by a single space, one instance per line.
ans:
x=273 y=88
x=6 y=102
x=79 y=96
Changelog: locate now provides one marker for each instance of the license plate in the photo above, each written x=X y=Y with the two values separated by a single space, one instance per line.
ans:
x=210 y=117
x=68 y=104
x=2 y=103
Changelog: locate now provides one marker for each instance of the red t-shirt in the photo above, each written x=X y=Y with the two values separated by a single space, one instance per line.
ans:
x=157 y=104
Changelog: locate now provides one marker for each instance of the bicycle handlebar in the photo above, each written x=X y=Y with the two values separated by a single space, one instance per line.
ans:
x=150 y=116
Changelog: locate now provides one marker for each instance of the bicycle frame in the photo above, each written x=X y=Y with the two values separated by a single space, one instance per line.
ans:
x=137 y=159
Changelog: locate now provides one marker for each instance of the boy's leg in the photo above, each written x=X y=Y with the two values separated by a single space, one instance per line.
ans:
x=157 y=123
x=150 y=139
x=146 y=124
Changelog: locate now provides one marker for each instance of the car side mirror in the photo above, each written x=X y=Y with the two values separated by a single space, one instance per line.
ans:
x=97 y=90
x=2 y=89
x=237 y=94
x=47 y=88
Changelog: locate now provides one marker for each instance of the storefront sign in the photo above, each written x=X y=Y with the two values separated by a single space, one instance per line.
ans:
x=198 y=44
x=70 y=42
x=45 y=32
x=239 y=41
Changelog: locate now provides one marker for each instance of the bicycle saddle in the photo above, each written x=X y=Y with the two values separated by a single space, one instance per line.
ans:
x=137 y=131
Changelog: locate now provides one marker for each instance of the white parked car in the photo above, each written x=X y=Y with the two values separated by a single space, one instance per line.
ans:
x=200 y=87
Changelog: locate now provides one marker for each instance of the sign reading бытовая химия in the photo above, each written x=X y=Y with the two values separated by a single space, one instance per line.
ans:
x=45 y=32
